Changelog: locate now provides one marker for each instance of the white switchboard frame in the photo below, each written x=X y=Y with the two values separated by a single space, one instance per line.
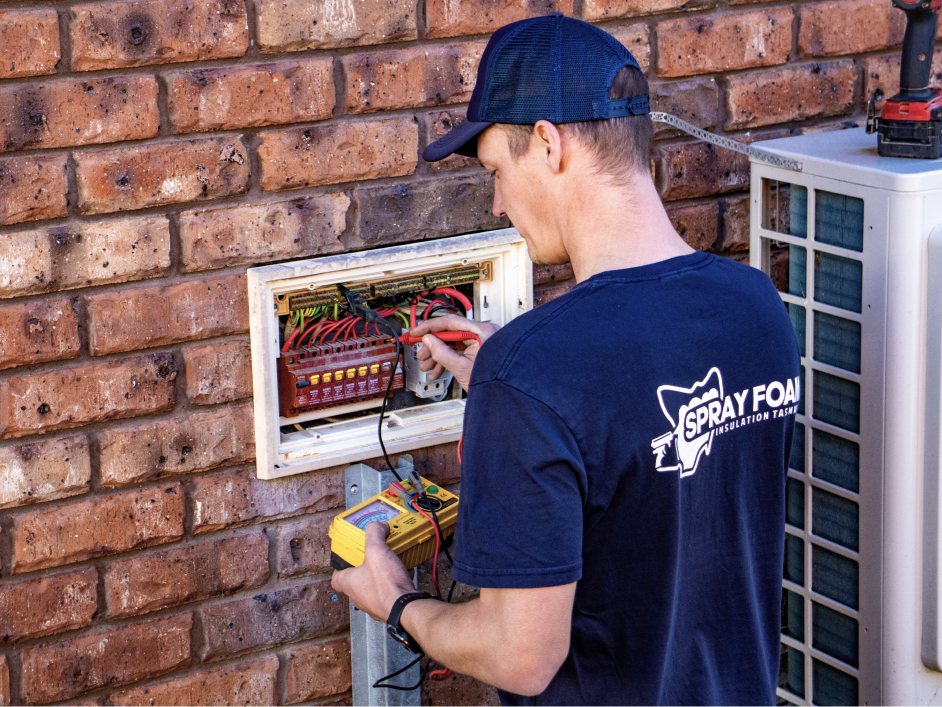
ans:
x=505 y=293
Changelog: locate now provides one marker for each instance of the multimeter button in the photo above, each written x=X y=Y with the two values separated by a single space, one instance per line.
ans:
x=432 y=489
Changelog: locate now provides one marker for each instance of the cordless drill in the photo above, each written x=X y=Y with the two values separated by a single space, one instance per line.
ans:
x=910 y=124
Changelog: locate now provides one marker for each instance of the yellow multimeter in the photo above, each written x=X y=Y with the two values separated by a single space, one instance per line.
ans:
x=411 y=535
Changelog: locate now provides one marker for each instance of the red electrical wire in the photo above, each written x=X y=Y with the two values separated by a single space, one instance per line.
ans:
x=312 y=330
x=457 y=295
x=438 y=591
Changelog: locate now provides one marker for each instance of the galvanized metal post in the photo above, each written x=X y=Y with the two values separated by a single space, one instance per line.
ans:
x=372 y=652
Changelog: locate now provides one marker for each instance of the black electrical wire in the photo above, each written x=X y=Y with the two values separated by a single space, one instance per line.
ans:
x=379 y=683
x=382 y=411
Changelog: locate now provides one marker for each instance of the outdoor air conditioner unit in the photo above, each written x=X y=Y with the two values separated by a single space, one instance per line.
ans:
x=854 y=244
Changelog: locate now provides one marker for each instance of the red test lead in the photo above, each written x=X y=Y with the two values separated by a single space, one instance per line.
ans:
x=408 y=340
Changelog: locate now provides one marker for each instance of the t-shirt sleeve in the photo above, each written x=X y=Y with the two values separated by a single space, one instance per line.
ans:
x=522 y=491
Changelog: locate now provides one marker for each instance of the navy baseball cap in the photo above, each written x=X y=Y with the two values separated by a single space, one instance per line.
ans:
x=550 y=68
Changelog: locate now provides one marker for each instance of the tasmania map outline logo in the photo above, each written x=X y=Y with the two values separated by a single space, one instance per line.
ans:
x=687 y=412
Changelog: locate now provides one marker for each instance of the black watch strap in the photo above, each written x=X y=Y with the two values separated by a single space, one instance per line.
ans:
x=393 y=627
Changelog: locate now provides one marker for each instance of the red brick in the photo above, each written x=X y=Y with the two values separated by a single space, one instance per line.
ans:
x=544 y=274
x=689 y=170
x=58 y=671
x=881 y=73
x=118 y=34
x=218 y=373
x=253 y=683
x=167 y=173
x=293 y=614
x=49 y=537
x=787 y=95
x=236 y=498
x=458 y=689
x=150 y=582
x=303 y=546
x=4 y=681
x=296 y=25
x=547 y=293
x=180 y=445
x=610 y=9
x=703 y=45
x=439 y=463
x=69 y=397
x=308 y=157
x=32 y=188
x=29 y=43
x=735 y=233
x=64 y=113
x=439 y=123
x=319 y=670
x=124 y=320
x=697 y=225
x=424 y=580
x=66 y=257
x=249 y=234
x=226 y=99
x=40 y=607
x=447 y=18
x=38 y=331
x=695 y=101
x=637 y=40
x=849 y=27
x=45 y=470
x=406 y=78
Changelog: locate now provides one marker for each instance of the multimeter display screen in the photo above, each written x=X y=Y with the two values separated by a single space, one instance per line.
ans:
x=373 y=512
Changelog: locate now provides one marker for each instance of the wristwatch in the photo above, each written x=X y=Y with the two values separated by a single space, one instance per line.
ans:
x=393 y=628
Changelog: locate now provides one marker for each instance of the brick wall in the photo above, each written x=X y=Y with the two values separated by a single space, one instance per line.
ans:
x=151 y=150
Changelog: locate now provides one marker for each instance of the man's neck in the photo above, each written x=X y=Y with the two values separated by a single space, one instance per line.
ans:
x=613 y=227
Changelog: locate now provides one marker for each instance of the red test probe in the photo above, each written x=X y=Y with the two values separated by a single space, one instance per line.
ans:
x=408 y=340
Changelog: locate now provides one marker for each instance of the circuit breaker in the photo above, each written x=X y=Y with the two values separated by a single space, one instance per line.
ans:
x=321 y=374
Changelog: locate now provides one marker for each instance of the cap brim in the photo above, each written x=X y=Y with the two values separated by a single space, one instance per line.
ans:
x=461 y=140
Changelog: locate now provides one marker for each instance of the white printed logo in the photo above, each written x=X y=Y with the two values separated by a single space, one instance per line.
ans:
x=701 y=412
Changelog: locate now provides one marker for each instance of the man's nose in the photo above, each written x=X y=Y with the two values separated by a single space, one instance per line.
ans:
x=498 y=207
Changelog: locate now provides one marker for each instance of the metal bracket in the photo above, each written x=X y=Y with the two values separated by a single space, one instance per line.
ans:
x=373 y=654
x=730 y=144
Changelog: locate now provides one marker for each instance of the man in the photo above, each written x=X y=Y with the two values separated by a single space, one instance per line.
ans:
x=625 y=445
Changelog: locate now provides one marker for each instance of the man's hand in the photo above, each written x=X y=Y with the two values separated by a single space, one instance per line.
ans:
x=375 y=585
x=436 y=355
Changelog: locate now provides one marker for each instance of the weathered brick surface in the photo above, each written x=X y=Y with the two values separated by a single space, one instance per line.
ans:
x=547 y=293
x=295 y=25
x=735 y=231
x=252 y=683
x=451 y=19
x=29 y=43
x=438 y=124
x=32 y=188
x=54 y=604
x=438 y=463
x=425 y=584
x=69 y=397
x=428 y=209
x=307 y=157
x=304 y=547
x=4 y=681
x=703 y=45
x=66 y=257
x=319 y=670
x=881 y=73
x=65 y=113
x=543 y=274
x=690 y=170
x=411 y=77
x=611 y=9
x=50 y=537
x=250 y=234
x=226 y=99
x=698 y=225
x=785 y=95
x=638 y=41
x=695 y=101
x=179 y=445
x=458 y=689
x=849 y=26
x=58 y=671
x=218 y=373
x=34 y=472
x=150 y=582
x=166 y=173
x=292 y=614
x=117 y=34
x=235 y=498
x=38 y=331
x=125 y=320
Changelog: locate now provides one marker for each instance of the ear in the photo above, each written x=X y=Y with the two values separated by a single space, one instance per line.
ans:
x=550 y=144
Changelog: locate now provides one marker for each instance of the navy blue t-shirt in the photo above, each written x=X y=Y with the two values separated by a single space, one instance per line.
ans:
x=632 y=436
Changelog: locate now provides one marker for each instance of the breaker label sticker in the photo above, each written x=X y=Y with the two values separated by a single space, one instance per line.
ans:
x=703 y=411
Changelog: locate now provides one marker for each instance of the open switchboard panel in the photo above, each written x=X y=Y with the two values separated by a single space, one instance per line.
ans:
x=320 y=375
